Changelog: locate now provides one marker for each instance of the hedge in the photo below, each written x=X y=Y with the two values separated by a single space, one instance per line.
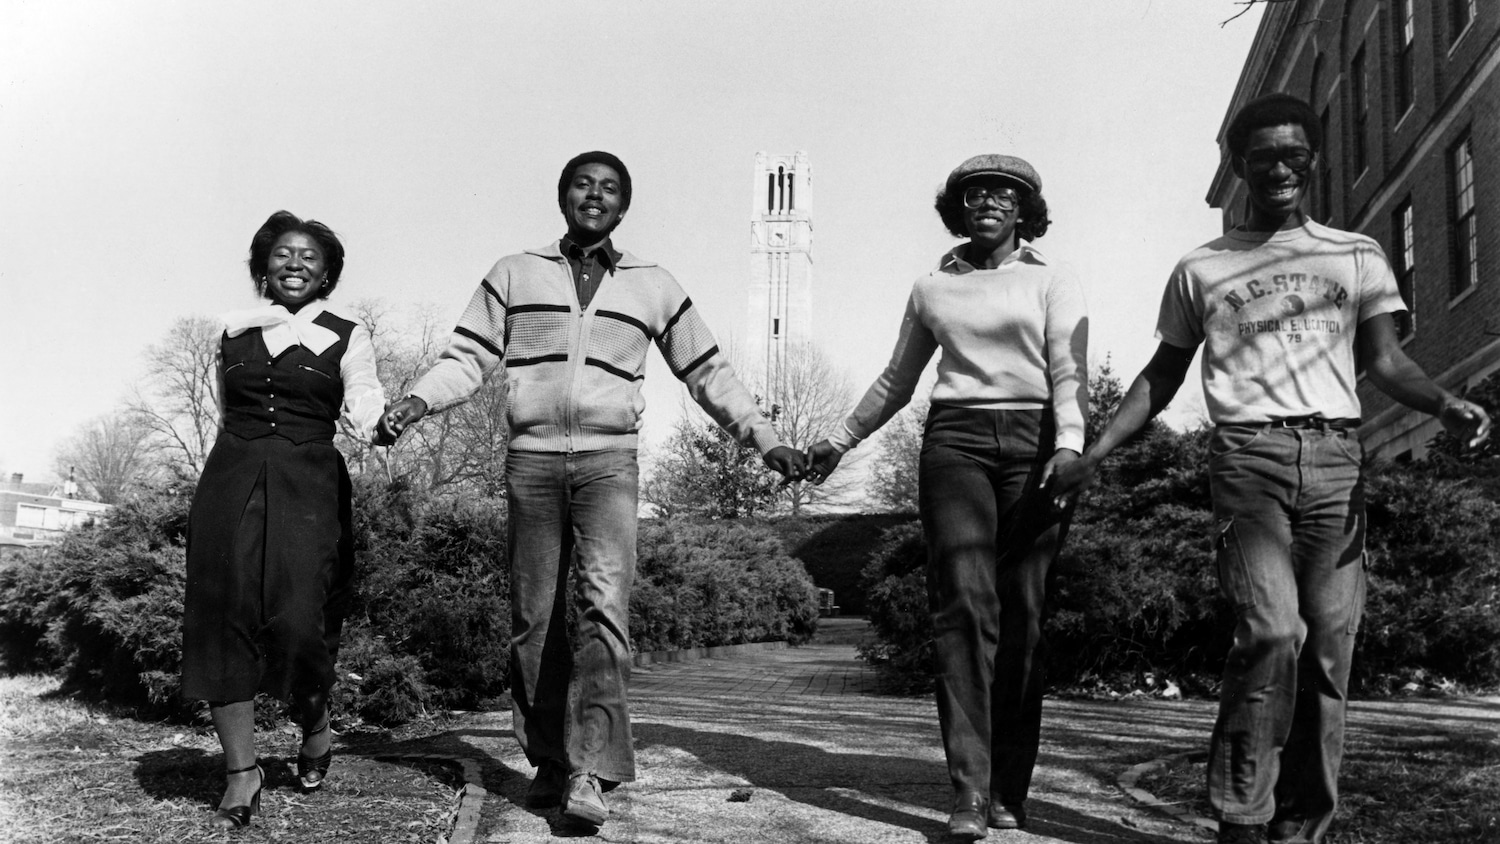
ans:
x=430 y=623
x=1136 y=593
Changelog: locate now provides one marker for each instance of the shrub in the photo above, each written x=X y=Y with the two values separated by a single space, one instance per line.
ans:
x=836 y=548
x=103 y=608
x=1433 y=604
x=429 y=623
x=895 y=583
x=717 y=583
x=1136 y=590
x=432 y=581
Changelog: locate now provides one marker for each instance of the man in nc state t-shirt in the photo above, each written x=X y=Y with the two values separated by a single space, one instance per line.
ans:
x=1277 y=314
x=1276 y=305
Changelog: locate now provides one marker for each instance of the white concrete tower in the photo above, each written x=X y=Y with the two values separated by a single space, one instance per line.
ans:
x=780 y=311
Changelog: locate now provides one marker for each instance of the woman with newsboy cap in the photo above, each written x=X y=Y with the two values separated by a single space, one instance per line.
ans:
x=1007 y=412
x=270 y=544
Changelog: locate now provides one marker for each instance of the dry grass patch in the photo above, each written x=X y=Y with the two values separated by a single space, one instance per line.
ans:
x=79 y=774
x=1394 y=789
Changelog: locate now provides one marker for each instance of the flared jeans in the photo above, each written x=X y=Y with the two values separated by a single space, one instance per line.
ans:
x=572 y=514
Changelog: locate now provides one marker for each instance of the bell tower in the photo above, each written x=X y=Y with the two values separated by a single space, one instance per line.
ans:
x=780 y=311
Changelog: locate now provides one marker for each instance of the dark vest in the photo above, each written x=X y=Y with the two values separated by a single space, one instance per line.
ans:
x=297 y=396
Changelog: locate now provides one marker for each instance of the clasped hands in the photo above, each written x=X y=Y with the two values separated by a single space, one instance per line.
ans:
x=400 y=415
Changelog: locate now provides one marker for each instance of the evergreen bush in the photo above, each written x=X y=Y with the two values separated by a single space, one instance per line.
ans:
x=717 y=583
x=1136 y=591
x=428 y=625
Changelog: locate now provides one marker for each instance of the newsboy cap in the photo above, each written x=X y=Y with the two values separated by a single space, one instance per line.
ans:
x=993 y=164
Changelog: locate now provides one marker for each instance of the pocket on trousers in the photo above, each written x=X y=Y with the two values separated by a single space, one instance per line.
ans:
x=1234 y=573
x=1232 y=439
x=1357 y=609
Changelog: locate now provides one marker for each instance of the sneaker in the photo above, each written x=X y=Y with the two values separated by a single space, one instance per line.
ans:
x=1241 y=833
x=547 y=786
x=585 y=800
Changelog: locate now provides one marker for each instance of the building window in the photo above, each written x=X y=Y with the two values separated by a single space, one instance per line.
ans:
x=1361 y=110
x=1460 y=15
x=31 y=516
x=1404 y=262
x=1406 y=83
x=1465 y=227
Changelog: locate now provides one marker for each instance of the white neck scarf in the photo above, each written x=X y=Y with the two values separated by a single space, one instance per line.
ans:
x=281 y=329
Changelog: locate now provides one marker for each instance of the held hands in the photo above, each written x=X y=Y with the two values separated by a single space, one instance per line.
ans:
x=822 y=460
x=1067 y=475
x=1466 y=421
x=397 y=418
x=791 y=463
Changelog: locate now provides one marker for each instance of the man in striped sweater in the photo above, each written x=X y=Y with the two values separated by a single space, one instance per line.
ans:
x=572 y=323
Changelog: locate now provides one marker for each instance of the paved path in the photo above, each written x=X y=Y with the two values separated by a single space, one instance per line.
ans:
x=822 y=759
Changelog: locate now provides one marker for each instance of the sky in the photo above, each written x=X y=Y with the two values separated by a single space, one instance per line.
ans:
x=143 y=143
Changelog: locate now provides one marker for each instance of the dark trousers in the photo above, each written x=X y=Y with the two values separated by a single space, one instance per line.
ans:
x=991 y=539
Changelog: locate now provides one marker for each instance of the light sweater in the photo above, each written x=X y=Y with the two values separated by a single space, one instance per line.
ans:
x=1013 y=338
x=575 y=374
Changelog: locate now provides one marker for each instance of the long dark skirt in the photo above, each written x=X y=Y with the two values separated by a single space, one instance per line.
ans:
x=269 y=568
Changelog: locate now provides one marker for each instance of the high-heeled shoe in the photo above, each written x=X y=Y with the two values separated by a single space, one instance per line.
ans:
x=234 y=817
x=312 y=770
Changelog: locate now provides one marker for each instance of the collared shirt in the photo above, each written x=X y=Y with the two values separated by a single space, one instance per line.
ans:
x=589 y=266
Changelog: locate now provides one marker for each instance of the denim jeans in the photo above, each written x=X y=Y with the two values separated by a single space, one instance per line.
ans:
x=991 y=538
x=1290 y=509
x=572 y=513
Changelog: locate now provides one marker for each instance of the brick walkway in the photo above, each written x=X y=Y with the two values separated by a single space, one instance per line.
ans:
x=816 y=670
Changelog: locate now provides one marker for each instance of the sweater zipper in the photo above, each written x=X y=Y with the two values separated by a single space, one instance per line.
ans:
x=575 y=367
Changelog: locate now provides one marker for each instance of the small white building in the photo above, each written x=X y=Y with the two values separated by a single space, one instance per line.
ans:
x=35 y=513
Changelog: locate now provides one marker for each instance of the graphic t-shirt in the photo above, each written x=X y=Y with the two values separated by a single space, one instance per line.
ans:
x=1277 y=314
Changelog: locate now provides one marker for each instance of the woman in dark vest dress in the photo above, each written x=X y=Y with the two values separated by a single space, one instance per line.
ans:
x=269 y=551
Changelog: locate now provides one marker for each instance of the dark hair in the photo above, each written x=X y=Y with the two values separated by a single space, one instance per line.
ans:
x=595 y=157
x=1031 y=215
x=279 y=224
x=1273 y=110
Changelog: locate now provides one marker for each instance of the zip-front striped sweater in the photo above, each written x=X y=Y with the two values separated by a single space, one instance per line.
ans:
x=576 y=373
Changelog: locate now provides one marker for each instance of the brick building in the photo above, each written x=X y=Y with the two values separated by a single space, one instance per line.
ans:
x=1409 y=99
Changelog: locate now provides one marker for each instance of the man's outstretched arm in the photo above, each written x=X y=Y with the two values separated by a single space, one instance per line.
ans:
x=1399 y=377
x=1149 y=394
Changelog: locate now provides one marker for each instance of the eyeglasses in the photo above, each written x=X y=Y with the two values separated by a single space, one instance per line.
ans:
x=1297 y=159
x=1005 y=198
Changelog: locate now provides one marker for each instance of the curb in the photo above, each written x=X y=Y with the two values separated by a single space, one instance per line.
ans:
x=649 y=658
x=470 y=797
x=1128 y=780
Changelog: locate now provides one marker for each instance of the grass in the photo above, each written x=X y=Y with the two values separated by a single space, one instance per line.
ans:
x=75 y=773
x=1394 y=789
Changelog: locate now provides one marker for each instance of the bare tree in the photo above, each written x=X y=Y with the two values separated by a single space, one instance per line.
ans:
x=460 y=450
x=810 y=397
x=178 y=400
x=893 y=479
x=107 y=457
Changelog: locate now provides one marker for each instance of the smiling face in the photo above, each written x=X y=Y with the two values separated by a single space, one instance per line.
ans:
x=992 y=221
x=592 y=204
x=295 y=270
x=1277 y=168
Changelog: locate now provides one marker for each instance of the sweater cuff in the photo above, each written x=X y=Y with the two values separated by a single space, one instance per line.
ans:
x=843 y=439
x=1071 y=441
x=765 y=438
